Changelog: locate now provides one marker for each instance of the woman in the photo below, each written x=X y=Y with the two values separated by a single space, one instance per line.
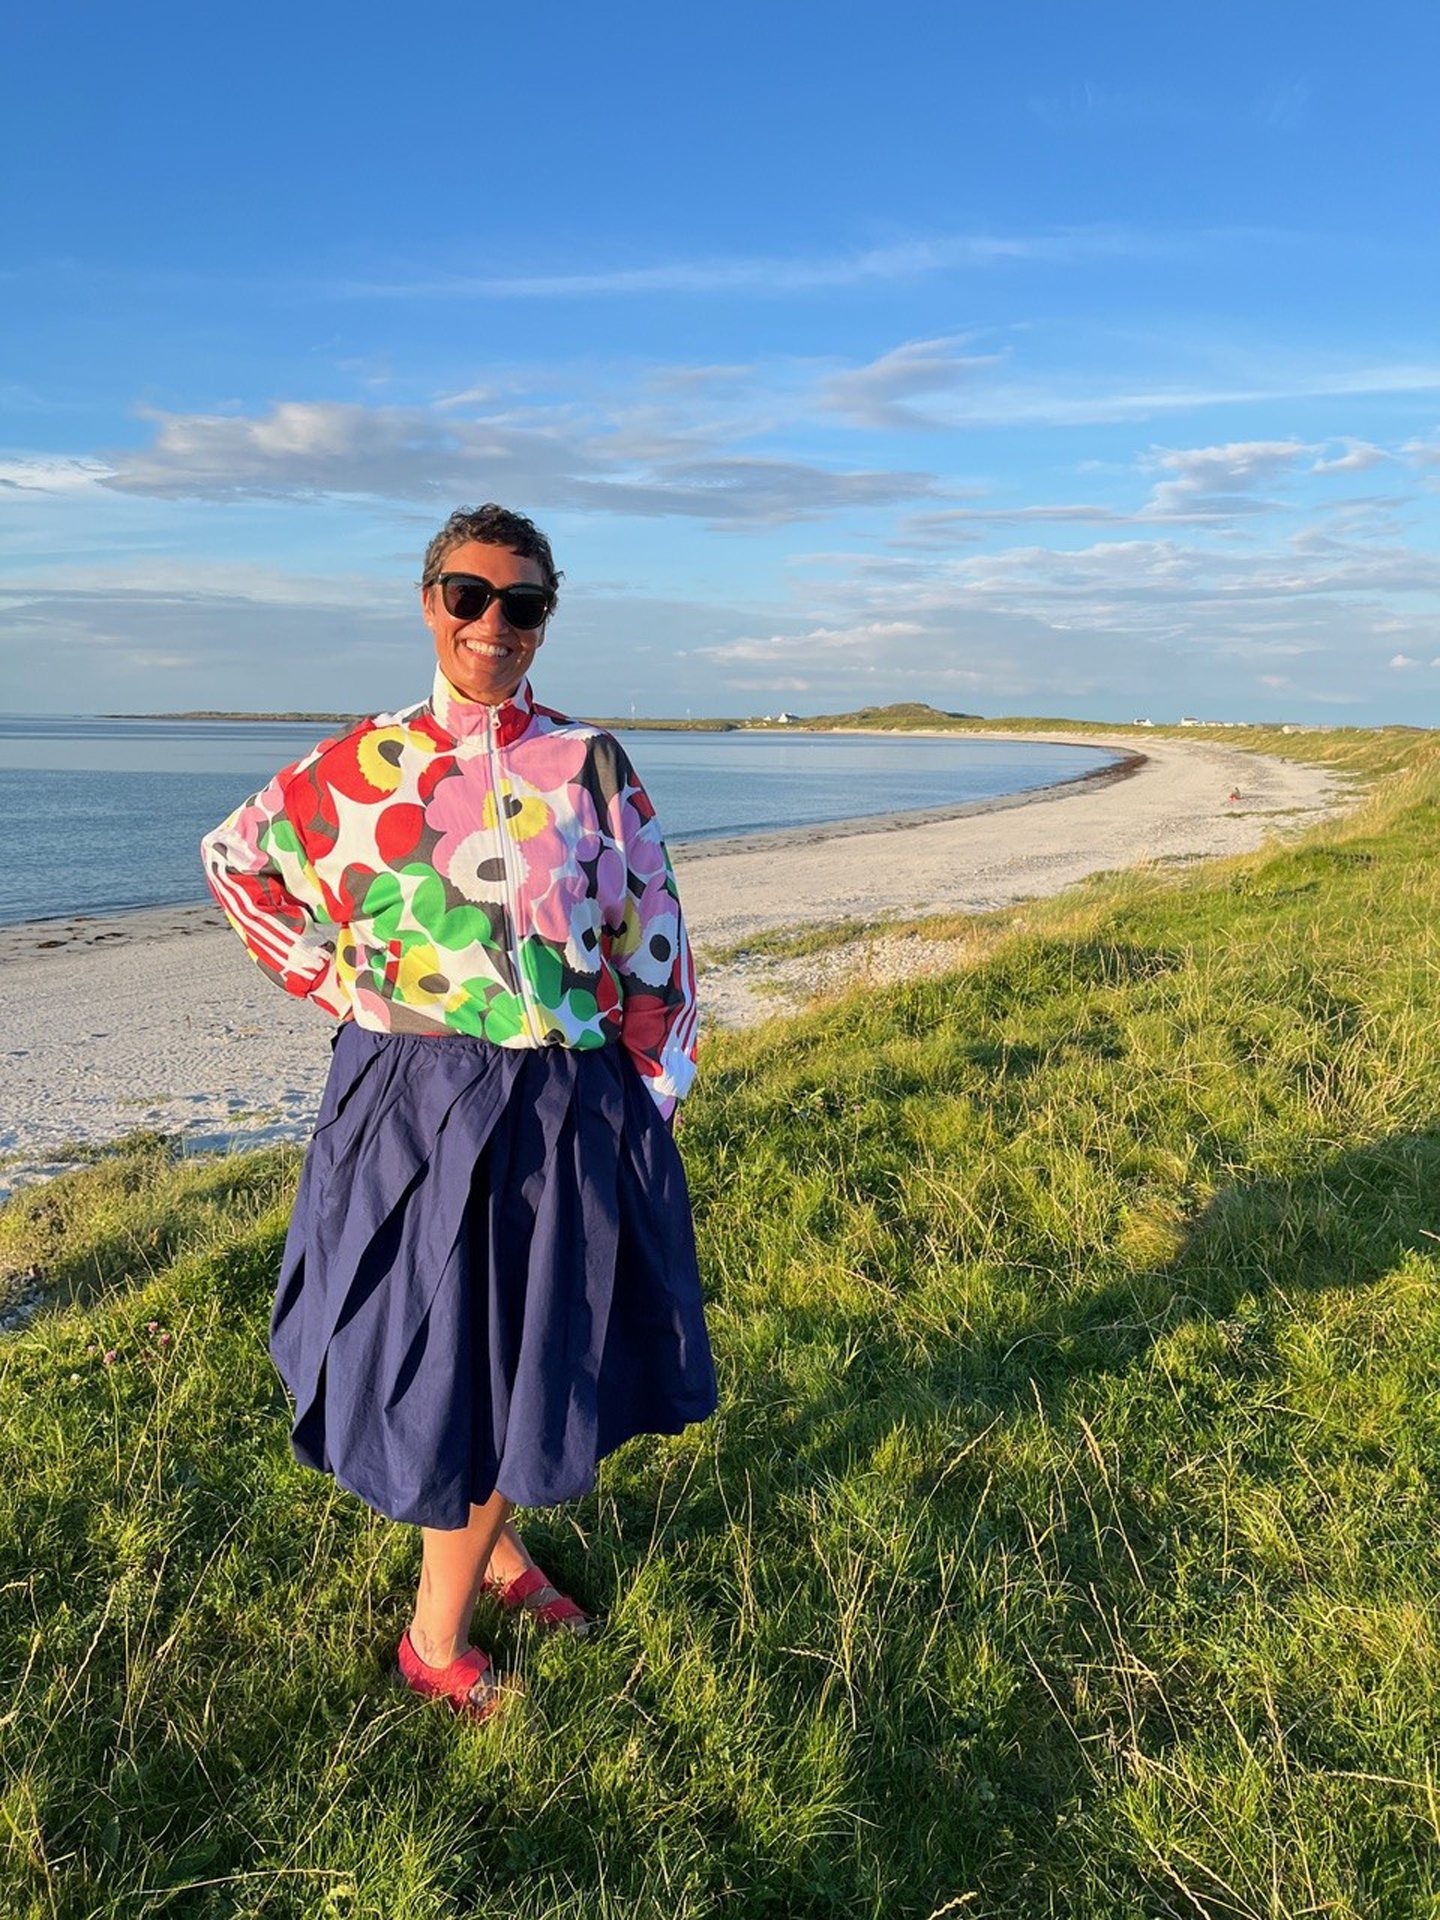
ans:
x=489 y=1280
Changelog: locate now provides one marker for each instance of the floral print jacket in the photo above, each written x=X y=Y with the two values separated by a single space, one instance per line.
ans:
x=496 y=871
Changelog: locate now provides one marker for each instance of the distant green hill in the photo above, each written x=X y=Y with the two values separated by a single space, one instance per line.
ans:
x=899 y=714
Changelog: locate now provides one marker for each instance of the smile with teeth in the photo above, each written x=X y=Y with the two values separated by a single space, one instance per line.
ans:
x=485 y=648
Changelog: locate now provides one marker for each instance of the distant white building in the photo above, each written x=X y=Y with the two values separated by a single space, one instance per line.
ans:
x=786 y=719
x=1142 y=723
x=1189 y=720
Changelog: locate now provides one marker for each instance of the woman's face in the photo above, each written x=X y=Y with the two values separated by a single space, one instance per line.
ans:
x=484 y=659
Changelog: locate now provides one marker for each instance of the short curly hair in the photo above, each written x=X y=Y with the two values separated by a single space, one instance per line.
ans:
x=494 y=527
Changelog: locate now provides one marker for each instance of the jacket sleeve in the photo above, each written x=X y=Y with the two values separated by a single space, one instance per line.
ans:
x=258 y=869
x=651 y=953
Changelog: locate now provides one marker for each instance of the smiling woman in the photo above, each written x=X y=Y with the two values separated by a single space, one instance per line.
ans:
x=487 y=609
x=489 y=1281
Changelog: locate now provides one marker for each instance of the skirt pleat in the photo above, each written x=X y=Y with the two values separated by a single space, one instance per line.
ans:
x=489 y=1280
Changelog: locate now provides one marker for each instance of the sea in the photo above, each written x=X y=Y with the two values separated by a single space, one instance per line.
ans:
x=105 y=815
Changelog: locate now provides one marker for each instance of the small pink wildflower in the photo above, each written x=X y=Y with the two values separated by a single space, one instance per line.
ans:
x=110 y=1356
x=164 y=1339
x=151 y=1326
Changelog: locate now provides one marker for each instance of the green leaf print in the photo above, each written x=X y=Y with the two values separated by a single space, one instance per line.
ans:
x=450 y=927
x=583 y=1009
x=503 y=1018
x=280 y=836
x=542 y=969
x=382 y=903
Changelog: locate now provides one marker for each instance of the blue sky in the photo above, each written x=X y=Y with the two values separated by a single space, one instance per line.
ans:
x=1054 y=359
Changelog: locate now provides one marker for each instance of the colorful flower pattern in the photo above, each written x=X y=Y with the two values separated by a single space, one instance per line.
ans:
x=492 y=871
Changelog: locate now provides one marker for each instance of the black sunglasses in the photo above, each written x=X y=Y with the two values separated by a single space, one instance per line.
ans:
x=467 y=595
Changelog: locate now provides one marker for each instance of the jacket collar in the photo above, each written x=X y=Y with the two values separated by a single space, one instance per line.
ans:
x=466 y=719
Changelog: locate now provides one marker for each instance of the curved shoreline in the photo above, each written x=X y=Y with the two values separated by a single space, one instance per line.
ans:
x=159 y=1019
x=1122 y=766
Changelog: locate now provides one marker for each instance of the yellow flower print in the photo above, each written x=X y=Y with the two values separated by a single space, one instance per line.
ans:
x=632 y=929
x=421 y=980
x=527 y=816
x=347 y=963
x=379 y=754
x=524 y=815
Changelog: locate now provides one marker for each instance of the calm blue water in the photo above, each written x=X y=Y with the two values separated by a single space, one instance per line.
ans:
x=93 y=824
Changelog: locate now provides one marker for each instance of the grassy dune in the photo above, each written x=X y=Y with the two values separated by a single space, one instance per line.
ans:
x=1064 y=1545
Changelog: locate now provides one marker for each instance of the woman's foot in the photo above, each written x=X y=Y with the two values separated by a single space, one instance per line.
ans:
x=442 y=1671
x=509 y=1560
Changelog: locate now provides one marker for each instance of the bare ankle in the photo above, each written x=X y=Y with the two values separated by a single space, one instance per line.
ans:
x=436 y=1650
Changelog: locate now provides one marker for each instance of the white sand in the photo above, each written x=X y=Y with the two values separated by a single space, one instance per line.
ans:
x=159 y=1019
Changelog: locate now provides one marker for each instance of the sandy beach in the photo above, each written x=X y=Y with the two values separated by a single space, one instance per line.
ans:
x=159 y=1019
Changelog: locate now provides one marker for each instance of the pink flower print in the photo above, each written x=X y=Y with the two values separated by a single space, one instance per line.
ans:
x=554 y=761
x=557 y=915
x=645 y=858
x=457 y=810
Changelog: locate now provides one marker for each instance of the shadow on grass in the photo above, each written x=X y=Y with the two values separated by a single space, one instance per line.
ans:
x=983 y=1803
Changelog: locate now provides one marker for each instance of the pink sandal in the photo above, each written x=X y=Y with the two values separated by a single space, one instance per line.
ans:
x=554 y=1613
x=452 y=1683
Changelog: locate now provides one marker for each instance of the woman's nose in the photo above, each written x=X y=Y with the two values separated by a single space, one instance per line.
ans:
x=493 y=619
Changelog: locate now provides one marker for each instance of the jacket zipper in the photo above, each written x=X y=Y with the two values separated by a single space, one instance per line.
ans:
x=513 y=903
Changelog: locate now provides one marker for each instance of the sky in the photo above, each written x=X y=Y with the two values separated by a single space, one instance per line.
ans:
x=1056 y=359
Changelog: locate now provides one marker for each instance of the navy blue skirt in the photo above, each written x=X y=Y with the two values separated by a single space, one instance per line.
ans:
x=489 y=1280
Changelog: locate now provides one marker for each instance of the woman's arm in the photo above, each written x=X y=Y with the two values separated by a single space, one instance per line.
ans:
x=651 y=953
x=259 y=870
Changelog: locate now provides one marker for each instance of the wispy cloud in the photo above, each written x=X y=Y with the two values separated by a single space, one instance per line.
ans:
x=52 y=473
x=1090 y=103
x=1202 y=486
x=1284 y=104
x=314 y=449
x=1218 y=482
x=874 y=395
x=1359 y=455
x=1067 y=401
x=764 y=274
x=1138 y=623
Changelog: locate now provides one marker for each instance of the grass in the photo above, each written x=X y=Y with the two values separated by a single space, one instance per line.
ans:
x=1064 y=1544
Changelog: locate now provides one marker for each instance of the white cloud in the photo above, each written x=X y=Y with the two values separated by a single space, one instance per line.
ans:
x=1216 y=482
x=874 y=395
x=1357 y=458
x=327 y=449
x=52 y=473
x=1206 y=486
x=877 y=635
